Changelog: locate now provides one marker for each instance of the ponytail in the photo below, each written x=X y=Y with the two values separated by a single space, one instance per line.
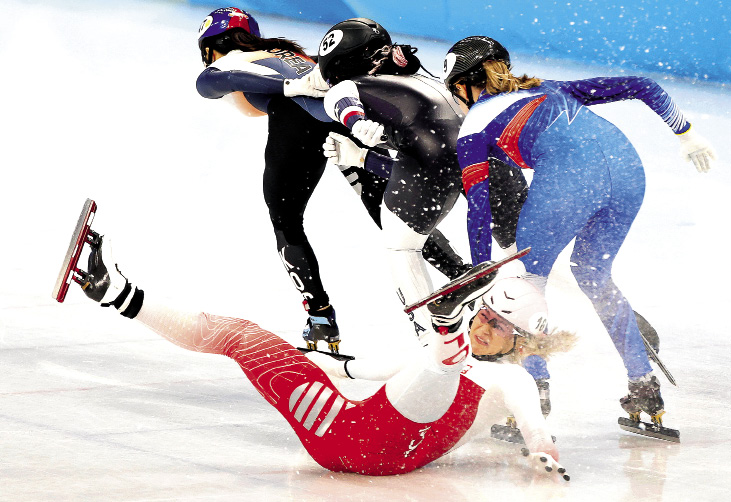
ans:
x=499 y=79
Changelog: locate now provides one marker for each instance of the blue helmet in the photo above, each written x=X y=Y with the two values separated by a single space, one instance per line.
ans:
x=222 y=20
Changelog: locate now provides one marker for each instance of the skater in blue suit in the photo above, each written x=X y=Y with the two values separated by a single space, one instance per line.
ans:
x=588 y=182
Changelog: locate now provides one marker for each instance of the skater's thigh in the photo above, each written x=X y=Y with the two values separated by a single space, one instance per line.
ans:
x=420 y=201
x=563 y=196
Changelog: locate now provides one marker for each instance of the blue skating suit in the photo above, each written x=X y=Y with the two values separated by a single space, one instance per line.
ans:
x=588 y=184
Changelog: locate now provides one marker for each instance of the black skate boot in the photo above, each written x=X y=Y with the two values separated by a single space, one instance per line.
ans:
x=644 y=396
x=450 y=299
x=322 y=327
x=451 y=304
x=104 y=283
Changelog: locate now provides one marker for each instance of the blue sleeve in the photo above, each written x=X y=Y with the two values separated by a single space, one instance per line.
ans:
x=537 y=367
x=472 y=154
x=214 y=83
x=608 y=89
x=479 y=222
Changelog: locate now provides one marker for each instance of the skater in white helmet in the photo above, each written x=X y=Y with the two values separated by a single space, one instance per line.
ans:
x=427 y=407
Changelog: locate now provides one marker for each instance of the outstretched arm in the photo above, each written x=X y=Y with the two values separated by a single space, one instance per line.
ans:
x=511 y=390
x=608 y=89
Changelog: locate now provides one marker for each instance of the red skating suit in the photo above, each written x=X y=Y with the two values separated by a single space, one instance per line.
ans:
x=366 y=437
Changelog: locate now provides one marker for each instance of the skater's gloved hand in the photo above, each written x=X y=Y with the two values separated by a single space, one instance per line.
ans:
x=368 y=132
x=697 y=149
x=545 y=462
x=342 y=151
x=311 y=84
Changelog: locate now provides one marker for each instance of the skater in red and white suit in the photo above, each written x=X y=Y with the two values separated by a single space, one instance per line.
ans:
x=421 y=413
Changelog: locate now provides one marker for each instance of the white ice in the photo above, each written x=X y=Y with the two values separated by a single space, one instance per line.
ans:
x=98 y=100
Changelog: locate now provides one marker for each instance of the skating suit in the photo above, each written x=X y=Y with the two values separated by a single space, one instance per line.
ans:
x=366 y=437
x=293 y=157
x=588 y=184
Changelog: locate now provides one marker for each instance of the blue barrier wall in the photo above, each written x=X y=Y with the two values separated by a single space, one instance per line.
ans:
x=674 y=37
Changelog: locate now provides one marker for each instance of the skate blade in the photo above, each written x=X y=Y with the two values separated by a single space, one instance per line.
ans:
x=507 y=433
x=649 y=430
x=78 y=238
x=337 y=357
x=478 y=272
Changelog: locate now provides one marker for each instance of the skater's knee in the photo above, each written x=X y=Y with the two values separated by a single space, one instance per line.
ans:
x=398 y=235
x=290 y=234
x=591 y=280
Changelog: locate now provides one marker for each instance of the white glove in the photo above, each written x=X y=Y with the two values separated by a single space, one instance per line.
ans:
x=368 y=132
x=342 y=151
x=311 y=84
x=544 y=461
x=696 y=148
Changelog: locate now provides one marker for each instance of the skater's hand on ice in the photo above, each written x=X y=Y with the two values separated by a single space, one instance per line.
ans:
x=545 y=462
x=368 y=132
x=311 y=84
x=697 y=149
x=342 y=151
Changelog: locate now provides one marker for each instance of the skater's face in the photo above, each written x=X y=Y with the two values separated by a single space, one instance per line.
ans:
x=491 y=334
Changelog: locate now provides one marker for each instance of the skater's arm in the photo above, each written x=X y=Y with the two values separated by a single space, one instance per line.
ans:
x=472 y=153
x=511 y=386
x=609 y=89
x=342 y=104
x=694 y=147
x=213 y=83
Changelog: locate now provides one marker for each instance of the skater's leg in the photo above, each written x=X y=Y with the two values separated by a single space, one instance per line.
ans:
x=293 y=169
x=408 y=268
x=437 y=251
x=426 y=387
x=592 y=270
x=294 y=166
x=594 y=252
x=411 y=211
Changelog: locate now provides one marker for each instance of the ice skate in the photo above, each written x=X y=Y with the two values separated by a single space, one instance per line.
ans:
x=644 y=397
x=80 y=237
x=464 y=289
x=101 y=281
x=322 y=327
x=509 y=432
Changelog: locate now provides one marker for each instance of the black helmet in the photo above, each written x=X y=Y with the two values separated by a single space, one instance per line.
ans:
x=464 y=60
x=352 y=48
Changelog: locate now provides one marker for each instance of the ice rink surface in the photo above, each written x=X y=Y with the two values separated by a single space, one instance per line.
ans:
x=98 y=100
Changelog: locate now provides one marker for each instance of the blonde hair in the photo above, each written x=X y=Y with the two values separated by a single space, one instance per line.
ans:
x=499 y=79
x=557 y=340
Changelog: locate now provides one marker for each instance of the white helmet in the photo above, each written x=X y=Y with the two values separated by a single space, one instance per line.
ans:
x=520 y=303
